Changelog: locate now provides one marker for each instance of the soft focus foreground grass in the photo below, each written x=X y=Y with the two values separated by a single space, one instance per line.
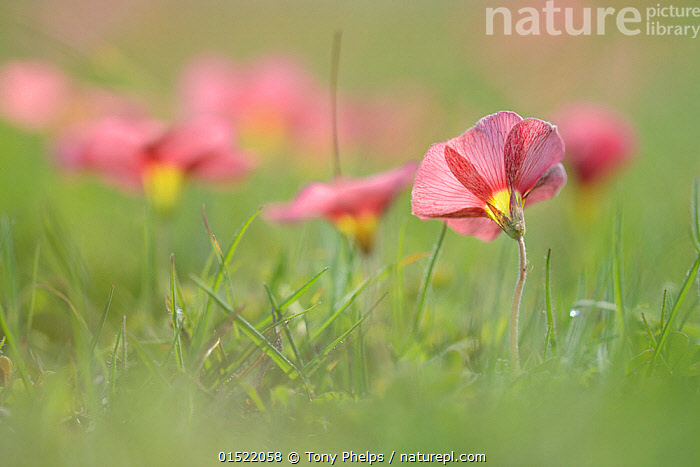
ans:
x=446 y=387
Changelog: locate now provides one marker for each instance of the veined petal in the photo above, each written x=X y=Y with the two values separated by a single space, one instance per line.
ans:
x=547 y=186
x=532 y=147
x=483 y=146
x=482 y=228
x=436 y=191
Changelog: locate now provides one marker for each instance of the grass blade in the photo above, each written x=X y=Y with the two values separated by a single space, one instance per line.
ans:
x=199 y=334
x=617 y=280
x=345 y=302
x=687 y=285
x=550 y=337
x=101 y=324
x=113 y=365
x=10 y=287
x=32 y=298
x=301 y=290
x=252 y=333
x=426 y=279
x=338 y=340
x=278 y=319
x=12 y=344
x=176 y=322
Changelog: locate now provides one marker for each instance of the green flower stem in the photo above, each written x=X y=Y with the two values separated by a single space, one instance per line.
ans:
x=515 y=309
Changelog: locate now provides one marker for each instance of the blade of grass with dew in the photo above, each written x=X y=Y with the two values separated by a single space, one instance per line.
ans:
x=113 y=365
x=199 y=333
x=287 y=333
x=243 y=355
x=292 y=298
x=687 y=285
x=313 y=363
x=339 y=308
x=426 y=280
x=218 y=254
x=100 y=325
x=252 y=333
x=176 y=322
x=550 y=337
x=287 y=319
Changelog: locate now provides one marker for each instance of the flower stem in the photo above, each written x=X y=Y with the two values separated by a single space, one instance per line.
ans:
x=515 y=309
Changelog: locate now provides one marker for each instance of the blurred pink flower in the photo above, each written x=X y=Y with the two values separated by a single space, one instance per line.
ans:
x=384 y=125
x=32 y=93
x=480 y=181
x=212 y=85
x=598 y=141
x=353 y=205
x=275 y=103
x=268 y=101
x=142 y=154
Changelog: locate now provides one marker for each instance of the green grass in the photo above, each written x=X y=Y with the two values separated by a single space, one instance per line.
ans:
x=150 y=340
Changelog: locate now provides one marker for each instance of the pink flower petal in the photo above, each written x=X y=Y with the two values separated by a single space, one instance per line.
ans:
x=483 y=146
x=345 y=196
x=482 y=228
x=191 y=142
x=547 y=186
x=226 y=167
x=532 y=147
x=32 y=93
x=436 y=191
x=372 y=194
x=212 y=86
x=598 y=140
x=112 y=147
x=312 y=201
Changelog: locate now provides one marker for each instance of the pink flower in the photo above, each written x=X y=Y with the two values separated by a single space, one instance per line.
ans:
x=480 y=181
x=145 y=155
x=212 y=86
x=353 y=205
x=598 y=141
x=32 y=93
x=269 y=101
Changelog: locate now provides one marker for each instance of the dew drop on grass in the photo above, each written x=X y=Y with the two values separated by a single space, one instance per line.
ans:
x=574 y=313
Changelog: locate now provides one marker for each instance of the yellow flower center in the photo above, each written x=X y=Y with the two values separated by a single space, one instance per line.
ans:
x=506 y=209
x=162 y=184
x=360 y=228
x=265 y=130
x=501 y=202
